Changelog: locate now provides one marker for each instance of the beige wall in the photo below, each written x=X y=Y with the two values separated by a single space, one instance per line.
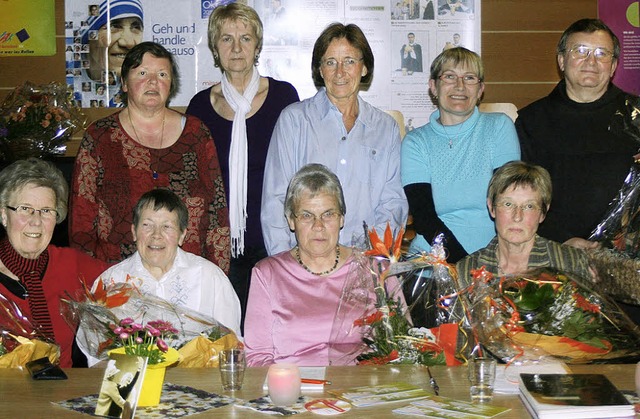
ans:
x=518 y=50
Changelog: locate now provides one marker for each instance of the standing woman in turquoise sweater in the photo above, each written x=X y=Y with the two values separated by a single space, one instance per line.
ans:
x=447 y=164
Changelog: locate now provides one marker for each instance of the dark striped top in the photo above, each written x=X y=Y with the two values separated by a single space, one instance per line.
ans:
x=545 y=253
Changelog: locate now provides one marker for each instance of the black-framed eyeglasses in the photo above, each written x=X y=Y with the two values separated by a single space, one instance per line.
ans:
x=27 y=211
x=347 y=63
x=582 y=52
x=452 y=78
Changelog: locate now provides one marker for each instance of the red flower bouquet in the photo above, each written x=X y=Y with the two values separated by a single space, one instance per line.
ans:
x=373 y=324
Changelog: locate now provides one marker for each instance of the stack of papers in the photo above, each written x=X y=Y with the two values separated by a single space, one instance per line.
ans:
x=384 y=393
x=446 y=408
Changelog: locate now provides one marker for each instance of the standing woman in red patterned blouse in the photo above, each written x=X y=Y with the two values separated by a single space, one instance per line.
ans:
x=146 y=146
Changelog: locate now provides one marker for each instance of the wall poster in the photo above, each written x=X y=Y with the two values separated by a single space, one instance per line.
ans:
x=27 y=28
x=623 y=17
x=405 y=36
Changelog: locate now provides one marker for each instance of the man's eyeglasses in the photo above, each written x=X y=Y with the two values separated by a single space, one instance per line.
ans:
x=325 y=218
x=452 y=78
x=582 y=52
x=347 y=63
x=26 y=211
x=529 y=207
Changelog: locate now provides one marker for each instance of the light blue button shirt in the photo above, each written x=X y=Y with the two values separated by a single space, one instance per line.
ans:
x=366 y=160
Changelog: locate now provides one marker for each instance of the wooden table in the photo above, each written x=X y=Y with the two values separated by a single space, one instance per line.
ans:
x=22 y=397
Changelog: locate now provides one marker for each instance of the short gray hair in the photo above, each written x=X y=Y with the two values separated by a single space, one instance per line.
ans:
x=313 y=178
x=33 y=171
x=158 y=199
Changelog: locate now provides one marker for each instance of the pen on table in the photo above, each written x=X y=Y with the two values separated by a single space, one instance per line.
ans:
x=433 y=383
x=314 y=381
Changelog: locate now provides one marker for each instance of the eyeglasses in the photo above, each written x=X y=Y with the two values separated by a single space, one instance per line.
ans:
x=529 y=207
x=327 y=217
x=347 y=63
x=26 y=211
x=452 y=78
x=582 y=52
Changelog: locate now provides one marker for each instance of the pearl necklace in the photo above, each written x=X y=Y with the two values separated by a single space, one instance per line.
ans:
x=155 y=173
x=328 y=271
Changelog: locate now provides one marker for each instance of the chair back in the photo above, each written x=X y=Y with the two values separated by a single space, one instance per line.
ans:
x=397 y=115
x=507 y=108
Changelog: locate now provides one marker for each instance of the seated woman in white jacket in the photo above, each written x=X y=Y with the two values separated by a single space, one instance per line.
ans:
x=161 y=268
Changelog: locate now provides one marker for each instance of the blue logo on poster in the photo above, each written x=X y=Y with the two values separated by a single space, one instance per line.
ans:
x=207 y=6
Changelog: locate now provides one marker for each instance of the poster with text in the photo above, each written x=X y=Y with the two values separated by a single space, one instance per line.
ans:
x=623 y=17
x=27 y=28
x=96 y=45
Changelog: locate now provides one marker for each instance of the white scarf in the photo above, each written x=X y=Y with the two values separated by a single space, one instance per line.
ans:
x=241 y=105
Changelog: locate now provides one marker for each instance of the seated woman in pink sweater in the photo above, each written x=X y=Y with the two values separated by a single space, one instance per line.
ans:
x=294 y=295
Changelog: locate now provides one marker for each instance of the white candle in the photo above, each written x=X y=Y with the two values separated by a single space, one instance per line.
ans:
x=284 y=384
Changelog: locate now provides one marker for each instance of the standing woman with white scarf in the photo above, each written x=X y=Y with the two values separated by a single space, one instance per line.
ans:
x=241 y=112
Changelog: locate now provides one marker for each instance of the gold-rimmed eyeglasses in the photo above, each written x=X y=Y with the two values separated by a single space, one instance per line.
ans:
x=27 y=211
x=582 y=52
x=327 y=217
x=529 y=207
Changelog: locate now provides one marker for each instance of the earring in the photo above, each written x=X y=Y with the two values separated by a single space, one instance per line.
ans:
x=215 y=60
x=255 y=61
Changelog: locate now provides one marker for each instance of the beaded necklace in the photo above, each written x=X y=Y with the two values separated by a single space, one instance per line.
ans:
x=328 y=271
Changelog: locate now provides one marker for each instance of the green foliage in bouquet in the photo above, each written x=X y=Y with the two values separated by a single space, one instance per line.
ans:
x=554 y=306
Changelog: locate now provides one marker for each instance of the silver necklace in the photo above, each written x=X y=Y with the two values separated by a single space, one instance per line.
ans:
x=444 y=128
x=328 y=271
x=154 y=172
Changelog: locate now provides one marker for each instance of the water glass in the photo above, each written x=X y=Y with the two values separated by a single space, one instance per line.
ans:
x=232 y=364
x=284 y=384
x=482 y=376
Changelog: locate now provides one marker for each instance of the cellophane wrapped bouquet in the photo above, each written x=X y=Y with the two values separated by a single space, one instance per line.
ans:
x=547 y=314
x=20 y=340
x=373 y=323
x=98 y=314
x=37 y=121
x=617 y=262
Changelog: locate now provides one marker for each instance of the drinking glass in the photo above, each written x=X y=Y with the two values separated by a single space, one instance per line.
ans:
x=283 y=381
x=232 y=364
x=482 y=375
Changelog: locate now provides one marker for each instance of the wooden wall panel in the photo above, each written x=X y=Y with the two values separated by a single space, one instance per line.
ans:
x=518 y=44
x=534 y=15
x=535 y=63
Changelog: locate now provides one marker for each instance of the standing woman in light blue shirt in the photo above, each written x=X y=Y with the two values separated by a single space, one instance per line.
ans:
x=358 y=142
x=448 y=163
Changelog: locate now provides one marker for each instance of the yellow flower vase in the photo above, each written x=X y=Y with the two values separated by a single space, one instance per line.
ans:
x=154 y=378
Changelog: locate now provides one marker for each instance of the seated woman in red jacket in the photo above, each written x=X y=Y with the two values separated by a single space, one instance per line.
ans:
x=33 y=273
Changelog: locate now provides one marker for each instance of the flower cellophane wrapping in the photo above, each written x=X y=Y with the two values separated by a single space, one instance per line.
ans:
x=373 y=323
x=548 y=314
x=199 y=338
x=21 y=340
x=38 y=120
x=617 y=262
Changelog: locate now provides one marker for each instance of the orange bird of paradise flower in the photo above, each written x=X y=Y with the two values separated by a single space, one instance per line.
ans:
x=101 y=297
x=389 y=248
